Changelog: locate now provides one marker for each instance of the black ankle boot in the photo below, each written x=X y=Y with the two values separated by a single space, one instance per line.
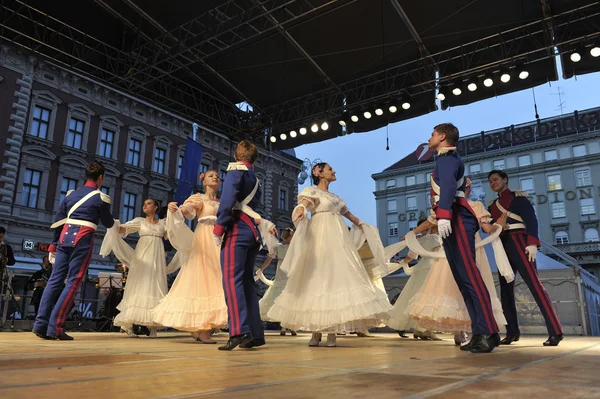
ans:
x=553 y=340
x=235 y=341
x=509 y=339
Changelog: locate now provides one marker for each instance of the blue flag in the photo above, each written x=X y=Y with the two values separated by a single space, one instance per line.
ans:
x=189 y=171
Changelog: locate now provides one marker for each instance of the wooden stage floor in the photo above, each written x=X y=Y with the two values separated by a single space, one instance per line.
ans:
x=110 y=365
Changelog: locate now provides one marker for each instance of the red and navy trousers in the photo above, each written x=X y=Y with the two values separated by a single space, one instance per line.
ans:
x=515 y=243
x=71 y=263
x=238 y=255
x=460 y=252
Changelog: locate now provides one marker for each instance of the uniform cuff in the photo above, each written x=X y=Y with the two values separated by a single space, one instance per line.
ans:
x=531 y=240
x=443 y=214
x=52 y=248
x=219 y=230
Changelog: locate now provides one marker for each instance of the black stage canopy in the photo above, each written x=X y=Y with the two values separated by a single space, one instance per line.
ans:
x=306 y=67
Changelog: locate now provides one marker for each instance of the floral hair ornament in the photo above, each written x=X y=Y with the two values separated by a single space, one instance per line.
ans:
x=202 y=176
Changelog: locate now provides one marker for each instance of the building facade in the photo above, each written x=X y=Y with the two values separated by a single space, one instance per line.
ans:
x=55 y=121
x=556 y=160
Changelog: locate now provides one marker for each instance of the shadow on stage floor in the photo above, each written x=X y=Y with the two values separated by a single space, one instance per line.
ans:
x=101 y=365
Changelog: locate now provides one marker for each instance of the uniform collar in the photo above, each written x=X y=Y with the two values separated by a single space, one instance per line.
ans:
x=445 y=150
x=91 y=184
x=248 y=164
x=505 y=194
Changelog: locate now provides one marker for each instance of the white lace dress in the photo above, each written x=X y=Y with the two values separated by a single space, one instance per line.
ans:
x=147 y=279
x=328 y=288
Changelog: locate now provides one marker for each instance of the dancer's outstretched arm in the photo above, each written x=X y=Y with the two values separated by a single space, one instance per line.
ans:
x=348 y=215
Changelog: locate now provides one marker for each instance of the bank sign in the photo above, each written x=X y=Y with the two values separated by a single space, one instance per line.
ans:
x=578 y=122
x=536 y=199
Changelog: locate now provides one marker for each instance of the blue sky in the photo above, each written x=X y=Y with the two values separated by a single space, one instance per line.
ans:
x=356 y=157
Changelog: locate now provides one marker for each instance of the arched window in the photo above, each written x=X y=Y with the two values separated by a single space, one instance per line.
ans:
x=591 y=235
x=561 y=237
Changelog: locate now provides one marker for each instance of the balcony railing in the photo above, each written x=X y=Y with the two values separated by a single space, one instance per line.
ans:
x=579 y=248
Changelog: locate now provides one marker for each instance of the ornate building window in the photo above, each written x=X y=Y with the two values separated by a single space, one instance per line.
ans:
x=554 y=182
x=132 y=195
x=43 y=114
x=32 y=185
x=587 y=206
x=161 y=155
x=77 y=130
x=31 y=188
x=410 y=180
x=591 y=235
x=393 y=229
x=561 y=237
x=411 y=203
x=66 y=185
x=283 y=199
x=558 y=210
x=392 y=205
x=136 y=146
x=583 y=177
x=499 y=164
x=129 y=206
x=108 y=143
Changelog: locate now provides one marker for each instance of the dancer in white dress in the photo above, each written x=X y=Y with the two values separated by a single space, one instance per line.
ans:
x=280 y=280
x=196 y=302
x=147 y=279
x=439 y=305
x=399 y=320
x=328 y=288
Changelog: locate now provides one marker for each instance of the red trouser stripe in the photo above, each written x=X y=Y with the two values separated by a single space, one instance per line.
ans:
x=474 y=276
x=66 y=305
x=233 y=308
x=537 y=284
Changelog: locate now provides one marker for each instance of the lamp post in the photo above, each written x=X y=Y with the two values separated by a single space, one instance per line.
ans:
x=306 y=169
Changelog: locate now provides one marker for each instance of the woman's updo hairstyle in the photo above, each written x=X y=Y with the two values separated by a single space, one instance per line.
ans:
x=288 y=232
x=318 y=168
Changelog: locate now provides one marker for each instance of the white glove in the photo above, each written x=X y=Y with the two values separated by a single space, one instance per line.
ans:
x=218 y=240
x=444 y=228
x=51 y=257
x=531 y=250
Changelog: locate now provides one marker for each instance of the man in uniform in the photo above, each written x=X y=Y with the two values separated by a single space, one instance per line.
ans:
x=521 y=242
x=71 y=251
x=457 y=225
x=237 y=229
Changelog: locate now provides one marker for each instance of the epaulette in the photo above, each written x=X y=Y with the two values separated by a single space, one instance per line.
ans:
x=491 y=202
x=69 y=192
x=446 y=150
x=105 y=198
x=236 y=166
x=521 y=193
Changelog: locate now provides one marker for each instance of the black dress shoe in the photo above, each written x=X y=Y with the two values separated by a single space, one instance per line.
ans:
x=486 y=343
x=553 y=340
x=402 y=334
x=61 y=337
x=509 y=339
x=254 y=343
x=235 y=341
x=474 y=340
x=42 y=335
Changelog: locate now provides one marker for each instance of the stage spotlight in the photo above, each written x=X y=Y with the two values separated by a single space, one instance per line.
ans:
x=575 y=56
x=367 y=115
x=441 y=94
x=324 y=126
x=457 y=91
x=393 y=108
x=303 y=131
x=472 y=86
x=405 y=101
x=595 y=51
x=273 y=139
x=354 y=117
x=293 y=134
x=488 y=82
x=283 y=136
x=378 y=111
x=523 y=73
x=505 y=77
x=314 y=128
x=343 y=121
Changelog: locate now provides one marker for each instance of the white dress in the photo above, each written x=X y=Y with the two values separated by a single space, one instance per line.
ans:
x=279 y=283
x=399 y=320
x=328 y=288
x=147 y=278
